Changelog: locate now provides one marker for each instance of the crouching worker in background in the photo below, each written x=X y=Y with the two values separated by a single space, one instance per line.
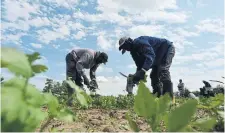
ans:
x=76 y=61
x=151 y=52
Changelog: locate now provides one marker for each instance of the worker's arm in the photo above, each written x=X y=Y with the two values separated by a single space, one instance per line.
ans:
x=93 y=71
x=148 y=53
x=84 y=60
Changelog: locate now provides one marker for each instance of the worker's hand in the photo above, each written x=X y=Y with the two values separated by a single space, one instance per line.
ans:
x=139 y=75
x=86 y=80
x=94 y=82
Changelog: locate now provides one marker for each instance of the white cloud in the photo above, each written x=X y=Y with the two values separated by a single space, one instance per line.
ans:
x=149 y=30
x=39 y=81
x=39 y=21
x=43 y=60
x=211 y=25
x=104 y=43
x=15 y=38
x=137 y=11
x=73 y=46
x=131 y=66
x=64 y=30
x=56 y=46
x=75 y=26
x=189 y=3
x=101 y=79
x=200 y=3
x=134 y=6
x=19 y=9
x=193 y=77
x=217 y=47
x=84 y=3
x=179 y=37
x=64 y=3
x=215 y=63
x=111 y=85
x=35 y=45
x=108 y=17
x=79 y=35
x=27 y=49
x=184 y=33
x=46 y=36
x=103 y=69
x=19 y=24
x=6 y=74
x=167 y=17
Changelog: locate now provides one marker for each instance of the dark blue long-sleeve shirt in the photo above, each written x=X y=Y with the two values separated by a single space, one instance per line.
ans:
x=148 y=51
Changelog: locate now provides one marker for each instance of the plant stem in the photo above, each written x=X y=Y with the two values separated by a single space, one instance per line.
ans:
x=46 y=124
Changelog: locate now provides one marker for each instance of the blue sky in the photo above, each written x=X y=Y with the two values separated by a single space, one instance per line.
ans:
x=54 y=27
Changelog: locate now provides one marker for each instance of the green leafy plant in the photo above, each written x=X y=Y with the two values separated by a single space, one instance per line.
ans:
x=157 y=110
x=21 y=103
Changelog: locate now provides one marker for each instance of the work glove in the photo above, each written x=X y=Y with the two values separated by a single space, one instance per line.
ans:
x=139 y=75
x=93 y=83
x=86 y=80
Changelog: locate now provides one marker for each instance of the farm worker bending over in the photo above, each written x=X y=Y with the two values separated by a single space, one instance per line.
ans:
x=151 y=52
x=79 y=59
x=181 y=88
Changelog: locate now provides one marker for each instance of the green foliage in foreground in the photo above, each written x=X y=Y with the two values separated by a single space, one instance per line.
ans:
x=178 y=119
x=21 y=103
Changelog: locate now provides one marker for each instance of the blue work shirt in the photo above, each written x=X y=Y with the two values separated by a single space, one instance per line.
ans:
x=148 y=51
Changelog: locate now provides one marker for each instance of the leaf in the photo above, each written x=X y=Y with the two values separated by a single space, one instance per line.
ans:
x=205 y=125
x=52 y=103
x=33 y=57
x=132 y=124
x=11 y=101
x=82 y=100
x=17 y=83
x=180 y=117
x=144 y=104
x=163 y=103
x=215 y=104
x=221 y=113
x=39 y=68
x=34 y=97
x=16 y=62
x=165 y=118
x=81 y=95
x=188 y=128
x=34 y=118
x=72 y=85
x=66 y=115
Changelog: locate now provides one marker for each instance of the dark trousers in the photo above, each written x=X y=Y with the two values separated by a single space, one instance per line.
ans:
x=71 y=72
x=160 y=74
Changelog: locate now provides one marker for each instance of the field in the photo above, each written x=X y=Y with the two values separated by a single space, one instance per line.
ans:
x=109 y=115
x=24 y=108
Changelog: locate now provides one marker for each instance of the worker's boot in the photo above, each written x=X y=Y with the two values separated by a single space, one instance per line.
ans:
x=70 y=91
x=168 y=88
x=70 y=100
x=157 y=89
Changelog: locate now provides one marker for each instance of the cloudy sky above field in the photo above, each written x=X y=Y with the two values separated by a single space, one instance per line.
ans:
x=54 y=27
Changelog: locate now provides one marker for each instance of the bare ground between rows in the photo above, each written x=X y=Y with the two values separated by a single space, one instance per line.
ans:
x=97 y=120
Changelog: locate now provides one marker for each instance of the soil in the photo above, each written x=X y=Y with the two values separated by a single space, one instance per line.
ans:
x=96 y=120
